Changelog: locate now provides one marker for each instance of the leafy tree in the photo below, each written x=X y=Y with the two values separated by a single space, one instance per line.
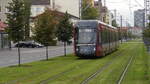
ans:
x=64 y=30
x=149 y=23
x=27 y=13
x=114 y=23
x=15 y=21
x=88 y=12
x=146 y=32
x=44 y=31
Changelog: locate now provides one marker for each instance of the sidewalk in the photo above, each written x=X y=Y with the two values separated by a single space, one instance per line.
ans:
x=10 y=57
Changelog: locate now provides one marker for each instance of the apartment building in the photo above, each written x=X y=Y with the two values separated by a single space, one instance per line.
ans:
x=3 y=9
x=71 y=6
x=139 y=18
x=38 y=7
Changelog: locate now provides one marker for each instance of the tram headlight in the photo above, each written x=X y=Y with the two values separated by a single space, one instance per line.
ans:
x=77 y=49
x=94 y=49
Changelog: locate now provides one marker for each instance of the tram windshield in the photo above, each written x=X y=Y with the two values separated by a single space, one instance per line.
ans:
x=86 y=36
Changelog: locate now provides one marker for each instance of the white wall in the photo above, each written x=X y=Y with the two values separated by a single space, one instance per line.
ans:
x=3 y=5
x=37 y=9
x=71 y=6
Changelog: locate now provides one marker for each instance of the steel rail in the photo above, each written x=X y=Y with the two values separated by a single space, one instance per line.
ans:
x=125 y=70
x=101 y=69
x=64 y=72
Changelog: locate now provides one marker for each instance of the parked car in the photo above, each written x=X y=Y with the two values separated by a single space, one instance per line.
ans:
x=29 y=44
x=21 y=44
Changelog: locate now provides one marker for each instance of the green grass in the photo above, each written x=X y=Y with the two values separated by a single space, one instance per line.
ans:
x=113 y=72
x=139 y=72
x=72 y=70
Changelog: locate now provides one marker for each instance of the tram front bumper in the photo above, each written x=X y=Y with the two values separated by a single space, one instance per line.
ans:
x=86 y=51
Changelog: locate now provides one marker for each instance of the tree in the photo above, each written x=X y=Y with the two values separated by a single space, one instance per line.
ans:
x=64 y=30
x=27 y=13
x=45 y=25
x=114 y=23
x=15 y=21
x=88 y=12
x=146 y=32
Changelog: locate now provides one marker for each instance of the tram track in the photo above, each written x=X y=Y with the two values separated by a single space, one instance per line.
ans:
x=98 y=72
x=125 y=70
x=71 y=70
x=62 y=73
x=35 y=73
x=67 y=71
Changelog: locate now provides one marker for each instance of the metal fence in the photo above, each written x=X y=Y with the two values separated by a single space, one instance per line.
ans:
x=4 y=41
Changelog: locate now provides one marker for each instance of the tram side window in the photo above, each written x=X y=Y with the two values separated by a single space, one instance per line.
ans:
x=112 y=37
x=108 y=36
x=104 y=36
x=100 y=39
x=113 y=34
x=116 y=37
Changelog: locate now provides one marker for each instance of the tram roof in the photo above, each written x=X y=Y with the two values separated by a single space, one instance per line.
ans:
x=93 y=23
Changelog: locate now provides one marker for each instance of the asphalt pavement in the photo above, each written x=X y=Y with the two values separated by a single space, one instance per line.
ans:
x=10 y=57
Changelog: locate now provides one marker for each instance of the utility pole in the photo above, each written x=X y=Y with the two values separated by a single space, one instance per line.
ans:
x=115 y=13
x=104 y=3
x=100 y=9
x=105 y=12
x=147 y=11
x=80 y=9
x=114 y=17
x=120 y=32
x=53 y=4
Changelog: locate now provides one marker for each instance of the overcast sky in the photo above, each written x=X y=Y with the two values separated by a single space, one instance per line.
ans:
x=122 y=6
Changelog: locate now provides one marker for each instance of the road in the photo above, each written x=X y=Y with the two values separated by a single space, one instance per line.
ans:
x=9 y=58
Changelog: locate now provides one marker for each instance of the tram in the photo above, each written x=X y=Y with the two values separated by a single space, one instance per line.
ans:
x=93 y=38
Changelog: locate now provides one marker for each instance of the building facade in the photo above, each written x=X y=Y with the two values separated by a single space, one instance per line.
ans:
x=4 y=41
x=139 y=18
x=3 y=9
x=104 y=14
x=147 y=11
x=71 y=6
x=99 y=6
x=38 y=7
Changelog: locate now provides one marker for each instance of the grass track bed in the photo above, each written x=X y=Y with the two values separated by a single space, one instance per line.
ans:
x=71 y=70
x=138 y=73
x=112 y=73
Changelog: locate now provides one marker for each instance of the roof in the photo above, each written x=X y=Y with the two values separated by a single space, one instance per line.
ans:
x=58 y=13
x=93 y=23
x=40 y=2
x=2 y=26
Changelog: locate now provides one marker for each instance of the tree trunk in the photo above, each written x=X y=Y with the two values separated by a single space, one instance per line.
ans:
x=64 y=48
x=19 y=57
x=10 y=48
x=46 y=52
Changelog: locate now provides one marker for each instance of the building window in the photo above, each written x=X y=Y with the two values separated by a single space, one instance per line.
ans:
x=0 y=8
x=53 y=4
x=50 y=2
x=38 y=10
x=6 y=10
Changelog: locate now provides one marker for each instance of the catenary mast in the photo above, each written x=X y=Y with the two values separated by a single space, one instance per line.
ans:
x=147 y=11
